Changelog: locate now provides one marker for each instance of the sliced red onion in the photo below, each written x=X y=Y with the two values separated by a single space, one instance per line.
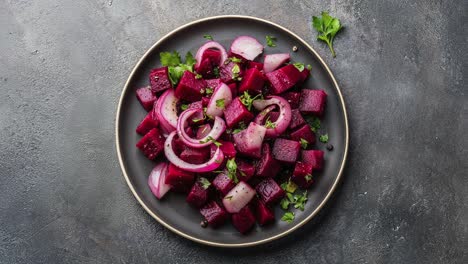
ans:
x=219 y=126
x=166 y=111
x=222 y=96
x=210 y=165
x=262 y=116
x=157 y=180
x=273 y=61
x=203 y=131
x=247 y=47
x=210 y=45
x=238 y=197
x=282 y=123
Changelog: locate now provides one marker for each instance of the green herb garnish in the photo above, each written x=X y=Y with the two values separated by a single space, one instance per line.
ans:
x=175 y=66
x=300 y=200
x=270 y=40
x=209 y=37
x=235 y=73
x=184 y=107
x=288 y=217
x=289 y=186
x=309 y=67
x=198 y=76
x=314 y=124
x=323 y=138
x=299 y=66
x=308 y=177
x=241 y=126
x=247 y=100
x=210 y=138
x=304 y=143
x=284 y=203
x=204 y=182
x=233 y=59
x=207 y=91
x=231 y=167
x=220 y=103
x=328 y=27
x=269 y=124
x=216 y=72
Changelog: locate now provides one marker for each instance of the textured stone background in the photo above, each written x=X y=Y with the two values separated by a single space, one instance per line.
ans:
x=402 y=68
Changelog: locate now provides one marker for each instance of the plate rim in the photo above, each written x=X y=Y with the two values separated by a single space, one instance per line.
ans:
x=207 y=242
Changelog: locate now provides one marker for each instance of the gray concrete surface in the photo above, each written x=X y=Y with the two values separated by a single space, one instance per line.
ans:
x=402 y=68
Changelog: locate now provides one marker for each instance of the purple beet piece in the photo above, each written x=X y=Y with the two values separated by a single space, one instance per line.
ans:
x=152 y=144
x=233 y=88
x=283 y=78
x=286 y=150
x=197 y=104
x=236 y=112
x=273 y=116
x=212 y=83
x=149 y=122
x=293 y=99
x=226 y=72
x=305 y=133
x=252 y=81
x=146 y=97
x=267 y=166
x=304 y=75
x=244 y=220
x=198 y=195
x=245 y=170
x=180 y=180
x=313 y=101
x=214 y=214
x=270 y=192
x=178 y=145
x=205 y=101
x=206 y=69
x=253 y=64
x=263 y=213
x=195 y=155
x=302 y=175
x=228 y=148
x=189 y=87
x=223 y=183
x=313 y=157
x=159 y=80
x=296 y=119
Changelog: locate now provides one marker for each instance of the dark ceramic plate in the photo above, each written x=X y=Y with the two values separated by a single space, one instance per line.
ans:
x=173 y=212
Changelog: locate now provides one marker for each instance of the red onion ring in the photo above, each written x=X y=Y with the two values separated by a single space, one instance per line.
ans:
x=165 y=109
x=261 y=117
x=157 y=180
x=212 y=164
x=282 y=123
x=210 y=45
x=219 y=126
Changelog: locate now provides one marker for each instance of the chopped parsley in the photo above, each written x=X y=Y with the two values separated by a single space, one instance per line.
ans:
x=210 y=138
x=208 y=91
x=323 y=138
x=284 y=204
x=308 y=177
x=235 y=73
x=309 y=67
x=216 y=72
x=198 y=76
x=248 y=101
x=289 y=186
x=270 y=40
x=184 y=107
x=300 y=201
x=304 y=143
x=175 y=66
x=241 y=127
x=233 y=59
x=299 y=66
x=288 y=217
x=204 y=183
x=231 y=167
x=220 y=103
x=314 y=124
x=269 y=124
x=207 y=36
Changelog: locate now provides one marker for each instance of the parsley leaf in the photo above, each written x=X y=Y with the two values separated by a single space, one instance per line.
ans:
x=314 y=124
x=308 y=177
x=270 y=41
x=289 y=186
x=175 y=66
x=247 y=100
x=269 y=124
x=288 y=217
x=231 y=167
x=233 y=59
x=209 y=37
x=299 y=66
x=184 y=107
x=198 y=76
x=284 y=204
x=220 y=103
x=204 y=182
x=323 y=138
x=300 y=201
x=327 y=27
x=208 y=91
x=309 y=67
x=210 y=138
x=304 y=143
x=216 y=72
x=235 y=73
x=241 y=126
x=170 y=58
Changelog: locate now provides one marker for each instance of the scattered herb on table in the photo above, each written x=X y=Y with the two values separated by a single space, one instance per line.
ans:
x=328 y=27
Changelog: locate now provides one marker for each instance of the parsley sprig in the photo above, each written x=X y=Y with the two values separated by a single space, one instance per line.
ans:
x=175 y=66
x=328 y=27
x=231 y=167
x=210 y=138
x=204 y=183
x=248 y=101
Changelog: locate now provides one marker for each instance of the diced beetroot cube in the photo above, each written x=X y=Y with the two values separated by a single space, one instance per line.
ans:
x=296 y=119
x=146 y=97
x=293 y=99
x=212 y=83
x=267 y=166
x=149 y=122
x=178 y=145
x=283 y=78
x=270 y=192
x=248 y=142
x=159 y=80
x=245 y=170
x=223 y=183
x=152 y=144
x=312 y=101
x=198 y=195
x=228 y=148
x=180 y=180
x=302 y=175
x=314 y=158
x=206 y=68
x=189 y=87
x=195 y=155
x=305 y=133
x=205 y=101
x=253 y=64
x=263 y=213
x=304 y=75
x=286 y=150
x=197 y=104
x=226 y=72
x=236 y=112
x=252 y=81
x=213 y=55
x=273 y=116
x=214 y=214
x=244 y=220
x=233 y=88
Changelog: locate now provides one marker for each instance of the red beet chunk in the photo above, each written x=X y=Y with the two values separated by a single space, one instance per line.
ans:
x=263 y=213
x=270 y=192
x=214 y=214
x=212 y=83
x=286 y=150
x=198 y=195
x=223 y=183
x=236 y=112
x=195 y=155
x=189 y=87
x=180 y=180
x=244 y=220
x=206 y=69
x=233 y=88
x=293 y=99
x=312 y=101
x=314 y=158
x=226 y=72
x=305 y=133
x=304 y=75
x=252 y=81
x=273 y=116
x=246 y=170
x=146 y=97
x=197 y=104
x=296 y=119
x=159 y=80
x=253 y=64
x=178 y=145
x=149 y=122
x=213 y=55
x=152 y=144
x=283 y=78
x=302 y=175
x=267 y=166
x=228 y=149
